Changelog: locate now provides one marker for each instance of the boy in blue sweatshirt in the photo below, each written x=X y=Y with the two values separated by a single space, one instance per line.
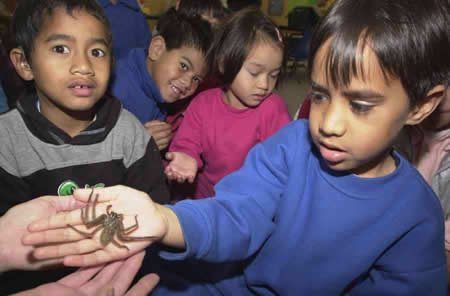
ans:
x=147 y=80
x=325 y=206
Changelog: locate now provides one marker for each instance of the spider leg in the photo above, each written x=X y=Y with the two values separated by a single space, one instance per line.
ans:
x=97 y=221
x=119 y=245
x=131 y=228
x=94 y=205
x=123 y=237
x=90 y=235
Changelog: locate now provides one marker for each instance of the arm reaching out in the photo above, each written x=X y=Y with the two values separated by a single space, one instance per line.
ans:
x=153 y=219
x=182 y=167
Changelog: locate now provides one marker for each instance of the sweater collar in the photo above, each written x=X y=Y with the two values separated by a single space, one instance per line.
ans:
x=362 y=188
x=108 y=111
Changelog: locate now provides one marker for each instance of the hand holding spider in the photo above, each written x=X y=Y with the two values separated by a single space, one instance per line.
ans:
x=84 y=247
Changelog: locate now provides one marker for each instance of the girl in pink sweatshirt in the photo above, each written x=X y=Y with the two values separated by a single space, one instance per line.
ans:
x=222 y=124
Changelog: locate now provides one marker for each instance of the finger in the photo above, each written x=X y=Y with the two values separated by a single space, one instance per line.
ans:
x=104 y=277
x=154 y=123
x=93 y=258
x=51 y=236
x=68 y=249
x=169 y=155
x=81 y=276
x=104 y=194
x=144 y=286
x=63 y=203
x=56 y=221
x=128 y=270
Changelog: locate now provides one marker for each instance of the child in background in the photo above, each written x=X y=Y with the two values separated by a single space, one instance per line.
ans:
x=325 y=206
x=68 y=133
x=148 y=80
x=222 y=124
x=427 y=146
x=129 y=27
x=213 y=12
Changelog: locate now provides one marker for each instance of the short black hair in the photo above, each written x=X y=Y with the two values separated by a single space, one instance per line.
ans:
x=410 y=39
x=235 y=38
x=200 y=7
x=30 y=15
x=180 y=30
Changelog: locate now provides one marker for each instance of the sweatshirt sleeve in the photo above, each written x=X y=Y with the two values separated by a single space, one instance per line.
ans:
x=239 y=219
x=188 y=138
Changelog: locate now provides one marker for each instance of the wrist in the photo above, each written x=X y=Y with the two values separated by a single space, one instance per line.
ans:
x=173 y=236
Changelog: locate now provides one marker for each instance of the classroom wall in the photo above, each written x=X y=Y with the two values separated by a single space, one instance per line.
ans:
x=288 y=5
x=157 y=7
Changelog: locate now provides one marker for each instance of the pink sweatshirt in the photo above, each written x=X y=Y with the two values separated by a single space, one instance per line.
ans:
x=219 y=136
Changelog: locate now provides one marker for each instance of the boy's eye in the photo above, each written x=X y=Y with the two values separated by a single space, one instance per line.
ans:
x=360 y=108
x=197 y=80
x=317 y=97
x=183 y=66
x=60 y=49
x=97 y=52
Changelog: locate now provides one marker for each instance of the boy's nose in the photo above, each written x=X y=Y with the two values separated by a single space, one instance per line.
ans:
x=187 y=81
x=333 y=120
x=81 y=65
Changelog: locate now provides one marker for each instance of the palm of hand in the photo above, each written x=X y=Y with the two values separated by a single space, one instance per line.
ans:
x=55 y=239
x=17 y=220
x=182 y=167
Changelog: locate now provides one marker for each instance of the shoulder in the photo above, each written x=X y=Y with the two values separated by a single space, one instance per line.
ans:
x=275 y=102
x=129 y=125
x=207 y=97
x=13 y=134
x=414 y=189
x=10 y=122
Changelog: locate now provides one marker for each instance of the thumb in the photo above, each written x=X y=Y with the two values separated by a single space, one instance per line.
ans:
x=169 y=155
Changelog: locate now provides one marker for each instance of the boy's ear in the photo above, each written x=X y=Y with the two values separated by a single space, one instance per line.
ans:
x=427 y=106
x=157 y=48
x=20 y=63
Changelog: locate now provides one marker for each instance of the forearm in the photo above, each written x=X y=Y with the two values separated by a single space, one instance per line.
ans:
x=174 y=234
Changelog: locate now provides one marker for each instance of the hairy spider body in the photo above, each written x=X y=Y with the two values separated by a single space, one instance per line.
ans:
x=111 y=223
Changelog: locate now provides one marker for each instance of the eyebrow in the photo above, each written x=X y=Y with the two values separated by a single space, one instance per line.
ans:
x=65 y=37
x=263 y=66
x=366 y=94
x=317 y=87
x=188 y=60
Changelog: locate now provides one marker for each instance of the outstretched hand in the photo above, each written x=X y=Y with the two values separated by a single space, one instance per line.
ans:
x=81 y=250
x=14 y=223
x=111 y=279
x=182 y=167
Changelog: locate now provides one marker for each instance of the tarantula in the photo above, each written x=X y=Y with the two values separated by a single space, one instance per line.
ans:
x=111 y=223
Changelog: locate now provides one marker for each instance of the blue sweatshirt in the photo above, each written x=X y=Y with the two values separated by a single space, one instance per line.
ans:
x=132 y=84
x=305 y=229
x=129 y=27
